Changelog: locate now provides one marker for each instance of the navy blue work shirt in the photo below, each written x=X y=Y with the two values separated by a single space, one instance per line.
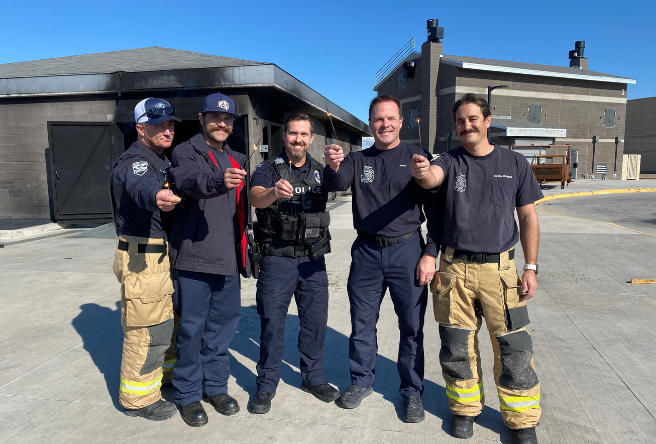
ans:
x=478 y=197
x=387 y=200
x=136 y=180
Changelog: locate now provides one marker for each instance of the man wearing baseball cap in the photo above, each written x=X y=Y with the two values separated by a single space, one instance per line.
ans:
x=208 y=252
x=141 y=264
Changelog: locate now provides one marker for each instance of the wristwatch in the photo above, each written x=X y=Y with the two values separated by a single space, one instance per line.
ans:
x=533 y=267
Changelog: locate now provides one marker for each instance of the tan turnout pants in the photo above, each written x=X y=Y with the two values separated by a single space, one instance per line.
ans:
x=147 y=320
x=462 y=291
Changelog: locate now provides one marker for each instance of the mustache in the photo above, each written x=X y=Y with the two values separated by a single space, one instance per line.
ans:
x=473 y=130
x=225 y=129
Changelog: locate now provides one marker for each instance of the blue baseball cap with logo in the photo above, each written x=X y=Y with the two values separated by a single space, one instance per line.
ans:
x=154 y=111
x=218 y=103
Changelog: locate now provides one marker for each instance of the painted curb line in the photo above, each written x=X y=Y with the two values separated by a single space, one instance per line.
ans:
x=599 y=192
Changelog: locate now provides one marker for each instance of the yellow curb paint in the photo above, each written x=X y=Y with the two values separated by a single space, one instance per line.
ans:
x=593 y=193
x=590 y=193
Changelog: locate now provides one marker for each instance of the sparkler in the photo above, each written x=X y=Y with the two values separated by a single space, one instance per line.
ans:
x=331 y=122
x=419 y=126
x=247 y=165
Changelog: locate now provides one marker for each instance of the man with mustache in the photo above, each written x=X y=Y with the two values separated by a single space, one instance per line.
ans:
x=389 y=252
x=482 y=185
x=208 y=254
x=292 y=233
x=141 y=265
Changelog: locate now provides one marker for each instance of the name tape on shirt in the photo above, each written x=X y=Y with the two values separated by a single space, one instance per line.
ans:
x=139 y=168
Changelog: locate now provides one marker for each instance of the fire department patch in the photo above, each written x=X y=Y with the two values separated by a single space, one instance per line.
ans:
x=367 y=175
x=460 y=183
x=139 y=168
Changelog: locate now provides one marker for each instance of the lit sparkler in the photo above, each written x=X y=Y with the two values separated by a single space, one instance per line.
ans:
x=331 y=122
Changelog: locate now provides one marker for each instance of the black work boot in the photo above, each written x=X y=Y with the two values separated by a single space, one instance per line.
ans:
x=463 y=426
x=414 y=409
x=224 y=404
x=158 y=411
x=353 y=396
x=525 y=436
x=261 y=402
x=322 y=391
x=194 y=414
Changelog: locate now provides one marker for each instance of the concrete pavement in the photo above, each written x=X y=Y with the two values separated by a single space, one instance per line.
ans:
x=594 y=339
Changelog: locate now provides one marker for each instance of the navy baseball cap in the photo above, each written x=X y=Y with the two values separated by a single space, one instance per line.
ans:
x=154 y=111
x=218 y=103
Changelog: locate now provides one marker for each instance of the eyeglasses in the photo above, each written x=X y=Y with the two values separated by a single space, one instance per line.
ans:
x=159 y=112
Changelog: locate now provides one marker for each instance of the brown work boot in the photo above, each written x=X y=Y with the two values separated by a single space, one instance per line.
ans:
x=158 y=411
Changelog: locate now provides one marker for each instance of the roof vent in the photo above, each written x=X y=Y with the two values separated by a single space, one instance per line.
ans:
x=576 y=56
x=435 y=33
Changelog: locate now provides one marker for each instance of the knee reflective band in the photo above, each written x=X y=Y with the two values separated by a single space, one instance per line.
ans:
x=168 y=365
x=160 y=341
x=454 y=355
x=519 y=403
x=516 y=354
x=465 y=395
x=140 y=388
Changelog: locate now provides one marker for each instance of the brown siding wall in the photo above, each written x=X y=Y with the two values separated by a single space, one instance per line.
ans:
x=641 y=132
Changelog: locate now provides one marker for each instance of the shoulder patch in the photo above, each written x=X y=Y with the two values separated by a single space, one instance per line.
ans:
x=278 y=161
x=139 y=168
x=257 y=167
x=317 y=176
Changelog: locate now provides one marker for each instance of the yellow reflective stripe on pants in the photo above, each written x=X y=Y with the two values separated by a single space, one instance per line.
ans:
x=465 y=395
x=168 y=365
x=519 y=403
x=140 y=388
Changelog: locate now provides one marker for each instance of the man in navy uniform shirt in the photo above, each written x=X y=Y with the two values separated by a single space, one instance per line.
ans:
x=141 y=261
x=389 y=252
x=292 y=232
x=482 y=185
x=207 y=250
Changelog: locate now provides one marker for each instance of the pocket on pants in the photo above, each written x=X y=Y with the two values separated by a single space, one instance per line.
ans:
x=147 y=299
x=265 y=299
x=515 y=310
x=442 y=287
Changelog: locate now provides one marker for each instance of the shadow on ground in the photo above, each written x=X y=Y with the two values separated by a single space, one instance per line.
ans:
x=104 y=344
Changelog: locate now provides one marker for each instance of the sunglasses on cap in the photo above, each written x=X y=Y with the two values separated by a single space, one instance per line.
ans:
x=159 y=112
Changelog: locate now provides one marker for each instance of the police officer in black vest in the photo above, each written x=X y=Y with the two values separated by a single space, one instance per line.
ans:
x=292 y=234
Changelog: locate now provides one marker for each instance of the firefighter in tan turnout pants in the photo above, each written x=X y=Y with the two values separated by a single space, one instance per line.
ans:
x=142 y=264
x=481 y=186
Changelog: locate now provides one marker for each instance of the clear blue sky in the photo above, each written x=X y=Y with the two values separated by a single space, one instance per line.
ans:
x=336 y=47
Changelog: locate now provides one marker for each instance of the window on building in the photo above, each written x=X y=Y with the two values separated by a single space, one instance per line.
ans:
x=534 y=113
x=609 y=121
x=412 y=117
x=401 y=81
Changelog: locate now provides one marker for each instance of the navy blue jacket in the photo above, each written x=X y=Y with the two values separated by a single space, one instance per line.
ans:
x=136 y=179
x=204 y=225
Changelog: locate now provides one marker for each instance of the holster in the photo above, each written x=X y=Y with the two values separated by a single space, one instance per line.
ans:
x=255 y=256
x=320 y=247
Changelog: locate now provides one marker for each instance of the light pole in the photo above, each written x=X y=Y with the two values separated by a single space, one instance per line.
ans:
x=489 y=101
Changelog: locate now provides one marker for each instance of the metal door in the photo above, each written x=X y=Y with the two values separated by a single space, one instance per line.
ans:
x=633 y=167
x=81 y=162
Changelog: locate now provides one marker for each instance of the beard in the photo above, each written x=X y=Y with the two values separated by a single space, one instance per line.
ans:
x=296 y=154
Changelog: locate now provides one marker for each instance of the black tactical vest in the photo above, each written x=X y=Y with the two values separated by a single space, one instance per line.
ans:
x=300 y=220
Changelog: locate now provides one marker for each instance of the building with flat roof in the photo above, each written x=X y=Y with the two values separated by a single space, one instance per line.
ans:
x=64 y=121
x=531 y=104
x=641 y=132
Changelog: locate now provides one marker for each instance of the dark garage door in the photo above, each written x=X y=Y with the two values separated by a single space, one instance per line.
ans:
x=81 y=162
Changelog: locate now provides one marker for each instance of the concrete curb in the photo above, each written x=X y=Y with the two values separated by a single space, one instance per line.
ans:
x=29 y=231
x=590 y=193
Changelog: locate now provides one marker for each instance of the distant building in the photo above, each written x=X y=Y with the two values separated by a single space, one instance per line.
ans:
x=64 y=121
x=538 y=104
x=641 y=132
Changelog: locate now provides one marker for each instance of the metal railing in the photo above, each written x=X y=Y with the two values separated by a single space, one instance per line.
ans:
x=398 y=57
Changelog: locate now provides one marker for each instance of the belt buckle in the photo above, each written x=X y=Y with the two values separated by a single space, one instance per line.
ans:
x=477 y=257
x=381 y=242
